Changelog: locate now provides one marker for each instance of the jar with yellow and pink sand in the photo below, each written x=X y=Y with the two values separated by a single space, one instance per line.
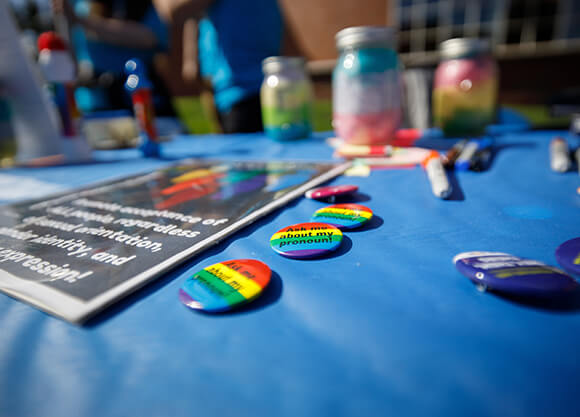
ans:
x=465 y=87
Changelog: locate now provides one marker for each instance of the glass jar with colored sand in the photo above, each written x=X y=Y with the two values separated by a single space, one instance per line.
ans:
x=465 y=87
x=366 y=86
x=286 y=98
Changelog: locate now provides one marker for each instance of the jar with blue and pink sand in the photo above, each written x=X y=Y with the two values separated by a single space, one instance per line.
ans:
x=366 y=86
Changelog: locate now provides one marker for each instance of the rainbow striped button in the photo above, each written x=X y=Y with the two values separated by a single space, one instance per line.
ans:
x=306 y=240
x=343 y=216
x=225 y=285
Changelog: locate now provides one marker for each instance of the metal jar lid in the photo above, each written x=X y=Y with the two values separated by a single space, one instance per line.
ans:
x=357 y=36
x=278 y=63
x=463 y=47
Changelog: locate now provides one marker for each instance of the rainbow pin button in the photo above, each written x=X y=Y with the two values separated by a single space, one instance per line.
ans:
x=343 y=216
x=306 y=240
x=225 y=285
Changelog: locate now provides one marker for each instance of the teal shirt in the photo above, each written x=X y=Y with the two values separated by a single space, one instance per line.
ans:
x=234 y=38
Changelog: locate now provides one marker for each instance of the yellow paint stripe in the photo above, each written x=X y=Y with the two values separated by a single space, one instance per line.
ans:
x=191 y=175
x=244 y=285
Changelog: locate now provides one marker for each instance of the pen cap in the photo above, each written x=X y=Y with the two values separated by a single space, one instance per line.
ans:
x=431 y=155
x=54 y=59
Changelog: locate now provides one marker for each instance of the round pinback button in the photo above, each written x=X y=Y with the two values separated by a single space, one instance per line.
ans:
x=225 y=285
x=513 y=275
x=343 y=216
x=306 y=240
x=332 y=191
x=568 y=255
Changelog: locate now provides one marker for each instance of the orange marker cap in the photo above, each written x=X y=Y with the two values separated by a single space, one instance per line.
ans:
x=430 y=155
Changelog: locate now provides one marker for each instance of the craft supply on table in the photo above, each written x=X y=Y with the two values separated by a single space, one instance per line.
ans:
x=437 y=177
x=568 y=255
x=306 y=240
x=331 y=191
x=482 y=159
x=59 y=70
x=513 y=275
x=225 y=285
x=139 y=86
x=465 y=87
x=559 y=155
x=286 y=98
x=449 y=157
x=343 y=216
x=399 y=155
x=467 y=156
x=366 y=86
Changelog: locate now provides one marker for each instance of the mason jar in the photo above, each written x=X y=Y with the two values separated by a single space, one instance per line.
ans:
x=465 y=87
x=286 y=98
x=366 y=86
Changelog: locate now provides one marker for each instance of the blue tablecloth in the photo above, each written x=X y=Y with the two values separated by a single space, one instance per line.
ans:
x=387 y=326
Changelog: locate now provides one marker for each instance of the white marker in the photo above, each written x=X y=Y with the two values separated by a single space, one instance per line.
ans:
x=436 y=174
x=559 y=155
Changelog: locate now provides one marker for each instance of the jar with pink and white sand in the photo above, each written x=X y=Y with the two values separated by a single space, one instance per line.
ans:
x=366 y=86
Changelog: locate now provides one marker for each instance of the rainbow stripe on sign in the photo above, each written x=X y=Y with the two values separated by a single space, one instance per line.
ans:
x=344 y=216
x=306 y=240
x=225 y=285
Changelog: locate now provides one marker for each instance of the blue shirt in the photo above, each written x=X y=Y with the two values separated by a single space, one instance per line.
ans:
x=234 y=38
x=103 y=57
x=106 y=57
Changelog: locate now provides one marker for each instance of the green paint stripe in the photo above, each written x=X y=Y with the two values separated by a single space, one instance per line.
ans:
x=231 y=295
x=341 y=216
x=235 y=298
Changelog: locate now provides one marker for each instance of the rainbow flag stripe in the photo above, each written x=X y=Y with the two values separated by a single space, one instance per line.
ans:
x=344 y=216
x=306 y=240
x=226 y=285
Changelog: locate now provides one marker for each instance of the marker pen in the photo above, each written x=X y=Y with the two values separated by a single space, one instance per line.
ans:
x=348 y=150
x=481 y=159
x=451 y=155
x=436 y=173
x=58 y=69
x=465 y=158
x=407 y=137
x=140 y=89
x=57 y=65
x=559 y=155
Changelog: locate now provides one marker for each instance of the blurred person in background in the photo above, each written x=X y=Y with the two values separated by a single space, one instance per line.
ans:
x=225 y=42
x=104 y=35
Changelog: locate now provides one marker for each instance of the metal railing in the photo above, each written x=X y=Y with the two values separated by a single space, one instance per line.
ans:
x=516 y=28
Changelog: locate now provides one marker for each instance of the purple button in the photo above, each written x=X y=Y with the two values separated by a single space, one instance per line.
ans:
x=568 y=255
x=510 y=274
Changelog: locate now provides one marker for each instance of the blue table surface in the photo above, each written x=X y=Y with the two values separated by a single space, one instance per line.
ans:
x=386 y=326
